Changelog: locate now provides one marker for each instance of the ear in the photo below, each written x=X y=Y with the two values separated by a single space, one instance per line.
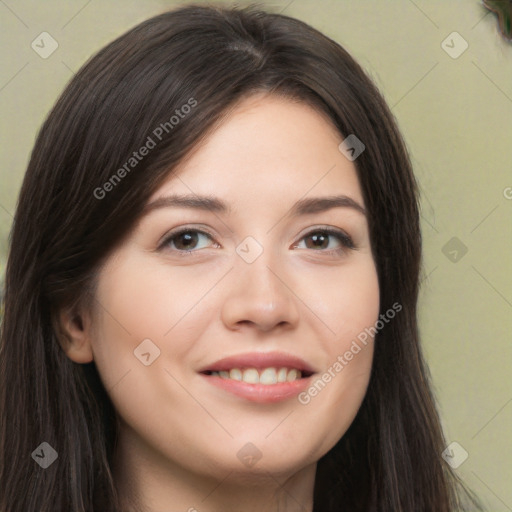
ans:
x=74 y=334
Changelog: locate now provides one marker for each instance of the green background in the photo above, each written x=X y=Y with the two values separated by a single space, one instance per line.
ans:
x=456 y=116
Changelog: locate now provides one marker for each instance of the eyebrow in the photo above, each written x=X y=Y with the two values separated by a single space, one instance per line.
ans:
x=302 y=207
x=321 y=204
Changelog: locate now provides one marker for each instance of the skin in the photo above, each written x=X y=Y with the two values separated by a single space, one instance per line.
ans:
x=179 y=435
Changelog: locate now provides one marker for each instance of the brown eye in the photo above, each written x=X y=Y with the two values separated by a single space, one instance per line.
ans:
x=318 y=241
x=322 y=238
x=187 y=240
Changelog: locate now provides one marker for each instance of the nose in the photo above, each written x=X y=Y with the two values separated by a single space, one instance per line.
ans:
x=260 y=297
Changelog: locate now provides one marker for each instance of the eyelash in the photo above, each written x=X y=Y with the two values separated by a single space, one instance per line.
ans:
x=344 y=239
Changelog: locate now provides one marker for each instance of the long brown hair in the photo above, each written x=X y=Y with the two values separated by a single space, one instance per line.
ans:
x=67 y=222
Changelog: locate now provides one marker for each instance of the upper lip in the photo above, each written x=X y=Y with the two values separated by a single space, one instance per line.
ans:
x=259 y=360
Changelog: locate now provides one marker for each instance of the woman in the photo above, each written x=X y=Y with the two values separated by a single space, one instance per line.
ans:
x=210 y=298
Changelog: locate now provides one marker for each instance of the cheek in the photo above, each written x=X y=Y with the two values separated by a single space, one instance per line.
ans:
x=343 y=301
x=143 y=309
x=349 y=305
x=351 y=348
x=151 y=299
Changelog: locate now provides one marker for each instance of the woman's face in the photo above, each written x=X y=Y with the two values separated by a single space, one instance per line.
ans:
x=253 y=287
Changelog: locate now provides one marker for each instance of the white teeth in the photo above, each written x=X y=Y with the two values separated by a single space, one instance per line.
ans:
x=267 y=376
x=293 y=375
x=235 y=374
x=281 y=374
x=251 y=376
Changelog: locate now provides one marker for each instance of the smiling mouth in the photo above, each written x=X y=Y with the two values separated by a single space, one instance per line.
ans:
x=266 y=376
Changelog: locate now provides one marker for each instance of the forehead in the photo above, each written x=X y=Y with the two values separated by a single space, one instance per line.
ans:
x=267 y=146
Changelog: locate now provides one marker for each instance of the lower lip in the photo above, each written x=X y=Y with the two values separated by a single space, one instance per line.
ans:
x=262 y=393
